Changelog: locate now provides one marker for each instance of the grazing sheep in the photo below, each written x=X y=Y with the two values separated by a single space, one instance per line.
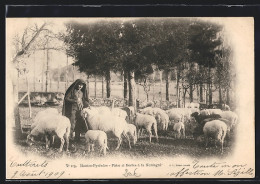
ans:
x=215 y=129
x=43 y=113
x=132 y=133
x=183 y=112
x=97 y=137
x=200 y=122
x=231 y=117
x=130 y=113
x=147 y=122
x=106 y=123
x=53 y=124
x=160 y=115
x=179 y=130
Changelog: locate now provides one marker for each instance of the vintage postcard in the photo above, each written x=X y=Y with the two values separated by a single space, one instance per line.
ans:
x=130 y=98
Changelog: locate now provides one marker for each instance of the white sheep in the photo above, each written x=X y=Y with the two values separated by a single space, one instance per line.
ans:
x=147 y=122
x=53 y=124
x=204 y=112
x=193 y=105
x=214 y=111
x=43 y=113
x=97 y=137
x=119 y=112
x=160 y=115
x=179 y=129
x=106 y=123
x=132 y=133
x=102 y=110
x=231 y=117
x=215 y=129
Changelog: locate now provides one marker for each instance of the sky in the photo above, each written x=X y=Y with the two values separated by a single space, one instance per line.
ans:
x=59 y=59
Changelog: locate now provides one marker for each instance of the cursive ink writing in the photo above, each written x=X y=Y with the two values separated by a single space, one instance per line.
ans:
x=185 y=171
x=129 y=173
x=37 y=173
x=29 y=163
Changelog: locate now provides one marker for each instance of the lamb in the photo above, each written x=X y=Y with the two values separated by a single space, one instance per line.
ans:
x=53 y=124
x=215 y=129
x=96 y=137
x=147 y=122
x=106 y=123
x=179 y=129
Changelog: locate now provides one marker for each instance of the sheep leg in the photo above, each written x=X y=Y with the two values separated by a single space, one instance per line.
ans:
x=119 y=140
x=105 y=149
x=206 y=141
x=88 y=145
x=66 y=137
x=46 y=142
x=61 y=144
x=92 y=147
x=150 y=136
x=156 y=135
x=52 y=141
x=128 y=140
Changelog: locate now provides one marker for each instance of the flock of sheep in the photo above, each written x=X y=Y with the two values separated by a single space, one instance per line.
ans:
x=129 y=123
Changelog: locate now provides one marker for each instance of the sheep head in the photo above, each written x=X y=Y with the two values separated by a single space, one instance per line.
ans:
x=30 y=139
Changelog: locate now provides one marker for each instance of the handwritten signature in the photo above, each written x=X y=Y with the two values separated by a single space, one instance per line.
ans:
x=131 y=173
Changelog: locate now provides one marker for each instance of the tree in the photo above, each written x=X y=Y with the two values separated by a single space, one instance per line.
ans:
x=24 y=46
x=204 y=45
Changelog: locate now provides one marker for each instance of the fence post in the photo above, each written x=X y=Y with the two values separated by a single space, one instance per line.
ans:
x=29 y=100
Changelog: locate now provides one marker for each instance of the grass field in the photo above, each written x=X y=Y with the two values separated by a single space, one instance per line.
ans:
x=167 y=146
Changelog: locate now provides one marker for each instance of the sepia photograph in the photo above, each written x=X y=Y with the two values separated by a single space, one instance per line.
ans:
x=130 y=98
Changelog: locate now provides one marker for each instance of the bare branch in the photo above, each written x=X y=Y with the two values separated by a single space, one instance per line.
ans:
x=26 y=48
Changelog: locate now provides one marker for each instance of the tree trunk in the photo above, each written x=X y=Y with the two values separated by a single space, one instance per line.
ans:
x=95 y=86
x=102 y=87
x=88 y=86
x=220 y=95
x=209 y=86
x=125 y=84
x=177 y=88
x=184 y=96
x=132 y=95
x=167 y=84
x=47 y=69
x=108 y=80
x=17 y=120
x=160 y=87
x=228 y=97
x=191 y=93
x=210 y=94
x=201 y=92
x=67 y=71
